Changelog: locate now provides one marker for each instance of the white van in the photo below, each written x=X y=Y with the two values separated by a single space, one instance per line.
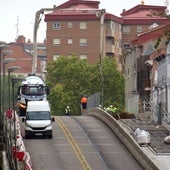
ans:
x=38 y=119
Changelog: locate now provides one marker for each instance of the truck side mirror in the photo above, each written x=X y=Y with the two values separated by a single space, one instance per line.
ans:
x=19 y=88
x=23 y=119
x=47 y=90
x=53 y=119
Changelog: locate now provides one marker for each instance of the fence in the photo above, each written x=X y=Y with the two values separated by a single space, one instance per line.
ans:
x=93 y=101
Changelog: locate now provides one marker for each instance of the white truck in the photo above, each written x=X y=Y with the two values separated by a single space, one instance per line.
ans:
x=38 y=120
x=32 y=89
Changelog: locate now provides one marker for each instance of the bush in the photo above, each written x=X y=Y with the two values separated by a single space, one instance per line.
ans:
x=123 y=115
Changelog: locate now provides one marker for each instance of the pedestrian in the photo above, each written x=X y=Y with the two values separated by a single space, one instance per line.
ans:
x=67 y=111
x=112 y=109
x=84 y=103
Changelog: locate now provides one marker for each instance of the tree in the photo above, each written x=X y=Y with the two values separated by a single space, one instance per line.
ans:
x=68 y=80
x=71 y=78
x=113 y=83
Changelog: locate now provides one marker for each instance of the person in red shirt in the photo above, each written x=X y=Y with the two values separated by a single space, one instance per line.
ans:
x=84 y=103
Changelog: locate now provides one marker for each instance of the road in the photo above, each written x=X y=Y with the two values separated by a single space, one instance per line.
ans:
x=79 y=142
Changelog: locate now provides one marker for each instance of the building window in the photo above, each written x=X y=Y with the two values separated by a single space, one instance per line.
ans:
x=126 y=45
x=69 y=41
x=139 y=28
x=83 y=56
x=83 y=42
x=126 y=29
x=83 y=25
x=112 y=25
x=56 y=25
x=69 y=25
x=55 y=56
x=56 y=41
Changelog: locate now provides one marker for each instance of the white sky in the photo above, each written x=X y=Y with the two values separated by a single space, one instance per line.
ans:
x=25 y=12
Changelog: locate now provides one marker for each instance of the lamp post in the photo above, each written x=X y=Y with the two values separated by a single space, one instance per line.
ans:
x=101 y=14
x=10 y=70
x=5 y=61
x=5 y=131
x=15 y=80
x=2 y=46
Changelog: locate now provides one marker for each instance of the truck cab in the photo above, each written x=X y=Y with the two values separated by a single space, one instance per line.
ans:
x=32 y=89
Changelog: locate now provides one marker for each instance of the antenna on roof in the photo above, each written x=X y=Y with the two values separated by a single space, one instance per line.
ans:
x=17 y=27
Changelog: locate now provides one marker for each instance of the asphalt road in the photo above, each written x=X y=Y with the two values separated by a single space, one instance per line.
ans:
x=81 y=142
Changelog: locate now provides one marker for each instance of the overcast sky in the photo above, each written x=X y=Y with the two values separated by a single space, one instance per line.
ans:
x=23 y=13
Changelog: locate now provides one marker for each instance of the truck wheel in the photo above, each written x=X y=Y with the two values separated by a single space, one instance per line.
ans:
x=26 y=135
x=21 y=112
x=50 y=136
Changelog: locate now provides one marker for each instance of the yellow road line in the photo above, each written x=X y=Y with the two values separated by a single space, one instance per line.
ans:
x=74 y=145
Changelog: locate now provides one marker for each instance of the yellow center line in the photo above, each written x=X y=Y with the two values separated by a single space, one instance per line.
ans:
x=73 y=144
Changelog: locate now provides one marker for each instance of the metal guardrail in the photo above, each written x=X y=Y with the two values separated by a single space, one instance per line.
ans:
x=126 y=138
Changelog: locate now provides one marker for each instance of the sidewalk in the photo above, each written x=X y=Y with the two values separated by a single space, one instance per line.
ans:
x=157 y=151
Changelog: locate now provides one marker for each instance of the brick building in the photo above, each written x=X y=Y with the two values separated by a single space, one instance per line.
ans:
x=22 y=53
x=74 y=28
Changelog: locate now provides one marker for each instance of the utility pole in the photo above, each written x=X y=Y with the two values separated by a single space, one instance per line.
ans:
x=102 y=15
x=38 y=16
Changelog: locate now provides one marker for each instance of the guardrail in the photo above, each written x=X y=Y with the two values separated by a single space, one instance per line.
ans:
x=125 y=137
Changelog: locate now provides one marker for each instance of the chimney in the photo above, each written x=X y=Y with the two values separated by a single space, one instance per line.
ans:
x=124 y=10
x=142 y=3
x=21 y=39
x=28 y=41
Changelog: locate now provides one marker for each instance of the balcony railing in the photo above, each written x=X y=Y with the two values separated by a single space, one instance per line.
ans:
x=110 y=33
x=110 y=48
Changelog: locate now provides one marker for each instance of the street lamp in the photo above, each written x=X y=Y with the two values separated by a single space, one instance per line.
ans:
x=15 y=80
x=5 y=61
x=2 y=46
x=10 y=70
x=101 y=14
x=4 y=101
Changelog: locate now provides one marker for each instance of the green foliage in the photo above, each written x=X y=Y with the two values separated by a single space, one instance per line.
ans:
x=113 y=84
x=71 y=78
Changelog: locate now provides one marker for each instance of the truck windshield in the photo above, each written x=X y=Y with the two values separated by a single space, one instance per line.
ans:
x=43 y=115
x=32 y=90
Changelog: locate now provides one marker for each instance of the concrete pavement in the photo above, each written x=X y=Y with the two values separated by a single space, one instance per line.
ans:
x=157 y=151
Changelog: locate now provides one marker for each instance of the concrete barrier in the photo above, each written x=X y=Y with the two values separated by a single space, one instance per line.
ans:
x=125 y=137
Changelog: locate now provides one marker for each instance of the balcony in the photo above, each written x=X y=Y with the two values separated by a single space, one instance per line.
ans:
x=110 y=48
x=110 y=33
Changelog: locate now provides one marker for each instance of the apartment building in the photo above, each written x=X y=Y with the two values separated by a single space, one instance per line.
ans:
x=80 y=28
x=76 y=28
x=137 y=20
x=146 y=75
x=140 y=19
